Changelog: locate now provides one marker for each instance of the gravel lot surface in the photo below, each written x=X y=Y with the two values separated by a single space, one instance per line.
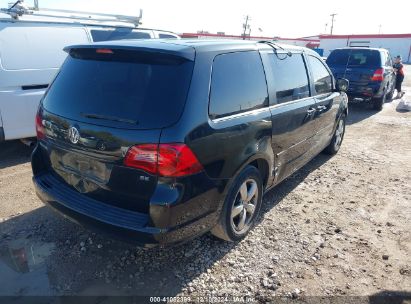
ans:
x=341 y=226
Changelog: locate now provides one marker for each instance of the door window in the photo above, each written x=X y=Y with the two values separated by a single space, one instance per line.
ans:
x=237 y=84
x=290 y=77
x=322 y=78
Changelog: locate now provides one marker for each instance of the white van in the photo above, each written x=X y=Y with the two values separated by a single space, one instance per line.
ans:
x=31 y=52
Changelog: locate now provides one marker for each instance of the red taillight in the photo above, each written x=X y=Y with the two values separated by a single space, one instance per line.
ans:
x=143 y=157
x=40 y=127
x=378 y=75
x=104 y=51
x=177 y=160
x=170 y=160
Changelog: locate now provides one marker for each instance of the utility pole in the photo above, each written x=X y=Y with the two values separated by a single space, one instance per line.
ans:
x=325 y=29
x=36 y=5
x=379 y=29
x=246 y=26
x=332 y=22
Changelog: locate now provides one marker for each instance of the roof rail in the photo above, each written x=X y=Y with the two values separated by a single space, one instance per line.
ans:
x=19 y=9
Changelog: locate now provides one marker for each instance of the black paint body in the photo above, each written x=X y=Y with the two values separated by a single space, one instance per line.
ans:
x=94 y=187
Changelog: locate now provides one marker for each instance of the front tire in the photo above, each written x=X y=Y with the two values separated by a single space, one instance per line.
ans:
x=338 y=137
x=241 y=206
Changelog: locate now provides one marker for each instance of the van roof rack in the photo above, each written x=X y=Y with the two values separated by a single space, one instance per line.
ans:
x=19 y=9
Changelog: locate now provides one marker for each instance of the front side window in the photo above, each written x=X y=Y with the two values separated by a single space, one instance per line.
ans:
x=237 y=84
x=290 y=77
x=322 y=78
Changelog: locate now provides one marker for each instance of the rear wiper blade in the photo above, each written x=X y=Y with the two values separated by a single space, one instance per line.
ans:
x=111 y=118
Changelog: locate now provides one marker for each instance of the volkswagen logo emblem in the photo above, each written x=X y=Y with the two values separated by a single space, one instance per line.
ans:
x=73 y=135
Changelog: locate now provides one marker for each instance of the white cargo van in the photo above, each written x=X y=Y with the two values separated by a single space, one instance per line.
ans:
x=31 y=52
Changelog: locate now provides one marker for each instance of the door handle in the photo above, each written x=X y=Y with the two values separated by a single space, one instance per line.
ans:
x=321 y=108
x=311 y=111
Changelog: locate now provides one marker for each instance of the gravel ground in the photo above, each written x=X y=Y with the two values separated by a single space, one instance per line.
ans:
x=341 y=226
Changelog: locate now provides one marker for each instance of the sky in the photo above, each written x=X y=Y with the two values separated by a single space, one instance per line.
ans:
x=286 y=18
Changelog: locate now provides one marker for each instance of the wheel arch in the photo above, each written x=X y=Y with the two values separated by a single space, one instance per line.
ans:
x=262 y=163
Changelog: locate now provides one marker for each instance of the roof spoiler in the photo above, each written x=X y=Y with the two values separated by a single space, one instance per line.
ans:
x=186 y=53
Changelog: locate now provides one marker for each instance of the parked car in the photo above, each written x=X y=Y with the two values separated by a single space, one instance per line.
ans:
x=31 y=52
x=369 y=71
x=198 y=131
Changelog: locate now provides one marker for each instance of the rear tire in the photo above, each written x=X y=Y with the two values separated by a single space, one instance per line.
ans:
x=379 y=102
x=338 y=137
x=241 y=206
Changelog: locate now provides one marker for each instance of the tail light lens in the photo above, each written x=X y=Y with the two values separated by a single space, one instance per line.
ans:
x=177 y=160
x=143 y=157
x=169 y=160
x=41 y=134
x=378 y=75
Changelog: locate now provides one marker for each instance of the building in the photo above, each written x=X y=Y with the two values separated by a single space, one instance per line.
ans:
x=397 y=44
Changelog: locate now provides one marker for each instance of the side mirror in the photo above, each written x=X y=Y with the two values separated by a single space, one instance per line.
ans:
x=342 y=85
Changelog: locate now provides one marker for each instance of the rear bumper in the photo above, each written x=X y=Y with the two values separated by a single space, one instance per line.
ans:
x=162 y=226
x=365 y=91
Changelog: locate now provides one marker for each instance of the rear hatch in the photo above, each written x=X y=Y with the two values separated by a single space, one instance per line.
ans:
x=356 y=65
x=103 y=102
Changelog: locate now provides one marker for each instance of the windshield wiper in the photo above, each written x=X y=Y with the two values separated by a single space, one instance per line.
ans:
x=110 y=118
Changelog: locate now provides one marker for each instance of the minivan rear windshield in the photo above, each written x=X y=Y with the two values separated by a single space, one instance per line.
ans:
x=124 y=89
x=354 y=58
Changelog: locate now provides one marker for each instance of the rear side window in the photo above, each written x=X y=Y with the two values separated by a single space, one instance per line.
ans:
x=117 y=34
x=322 y=78
x=290 y=77
x=127 y=89
x=355 y=58
x=238 y=84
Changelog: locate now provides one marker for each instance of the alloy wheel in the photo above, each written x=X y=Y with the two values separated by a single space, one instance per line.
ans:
x=339 y=134
x=244 y=206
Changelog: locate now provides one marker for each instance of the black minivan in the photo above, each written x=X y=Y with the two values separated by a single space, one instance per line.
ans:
x=161 y=141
